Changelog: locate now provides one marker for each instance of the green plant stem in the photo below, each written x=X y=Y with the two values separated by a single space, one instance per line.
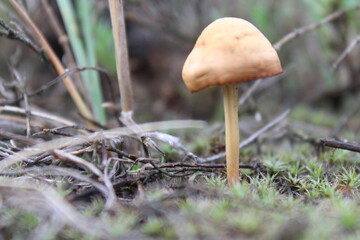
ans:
x=85 y=8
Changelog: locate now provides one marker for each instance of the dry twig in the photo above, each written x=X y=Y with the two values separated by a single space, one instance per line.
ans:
x=56 y=80
x=16 y=137
x=16 y=35
x=250 y=139
x=300 y=31
x=341 y=145
x=346 y=52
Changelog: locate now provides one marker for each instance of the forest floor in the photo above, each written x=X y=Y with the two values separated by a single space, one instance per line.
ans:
x=292 y=187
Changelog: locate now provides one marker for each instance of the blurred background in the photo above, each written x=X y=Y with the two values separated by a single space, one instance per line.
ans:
x=161 y=33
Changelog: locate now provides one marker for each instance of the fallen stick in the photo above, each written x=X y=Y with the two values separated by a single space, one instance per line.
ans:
x=250 y=139
x=346 y=52
x=341 y=145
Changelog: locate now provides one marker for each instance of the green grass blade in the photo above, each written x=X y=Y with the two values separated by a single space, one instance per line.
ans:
x=85 y=12
x=84 y=58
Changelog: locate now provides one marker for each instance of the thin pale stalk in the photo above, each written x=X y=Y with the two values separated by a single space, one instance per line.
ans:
x=232 y=134
x=122 y=62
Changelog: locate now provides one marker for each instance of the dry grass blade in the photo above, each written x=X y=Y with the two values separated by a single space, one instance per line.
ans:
x=54 y=60
x=44 y=115
x=173 y=141
x=111 y=198
x=68 y=157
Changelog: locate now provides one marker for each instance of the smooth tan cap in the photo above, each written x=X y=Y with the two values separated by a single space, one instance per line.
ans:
x=229 y=50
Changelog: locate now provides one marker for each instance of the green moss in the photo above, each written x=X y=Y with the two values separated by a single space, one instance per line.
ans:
x=159 y=228
x=121 y=223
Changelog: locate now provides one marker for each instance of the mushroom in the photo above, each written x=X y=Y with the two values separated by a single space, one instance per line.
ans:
x=229 y=51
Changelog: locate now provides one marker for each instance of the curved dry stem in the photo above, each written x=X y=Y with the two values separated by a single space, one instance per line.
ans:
x=80 y=104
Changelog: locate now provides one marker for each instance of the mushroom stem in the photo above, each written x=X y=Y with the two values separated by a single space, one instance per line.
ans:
x=232 y=134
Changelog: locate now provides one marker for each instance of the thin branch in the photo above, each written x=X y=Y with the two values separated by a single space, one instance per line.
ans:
x=16 y=35
x=167 y=173
x=178 y=167
x=250 y=139
x=20 y=138
x=59 y=131
x=250 y=91
x=341 y=145
x=185 y=167
x=56 y=80
x=300 y=31
x=196 y=165
x=346 y=52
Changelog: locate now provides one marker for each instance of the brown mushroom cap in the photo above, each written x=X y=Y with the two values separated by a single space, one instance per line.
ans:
x=229 y=50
